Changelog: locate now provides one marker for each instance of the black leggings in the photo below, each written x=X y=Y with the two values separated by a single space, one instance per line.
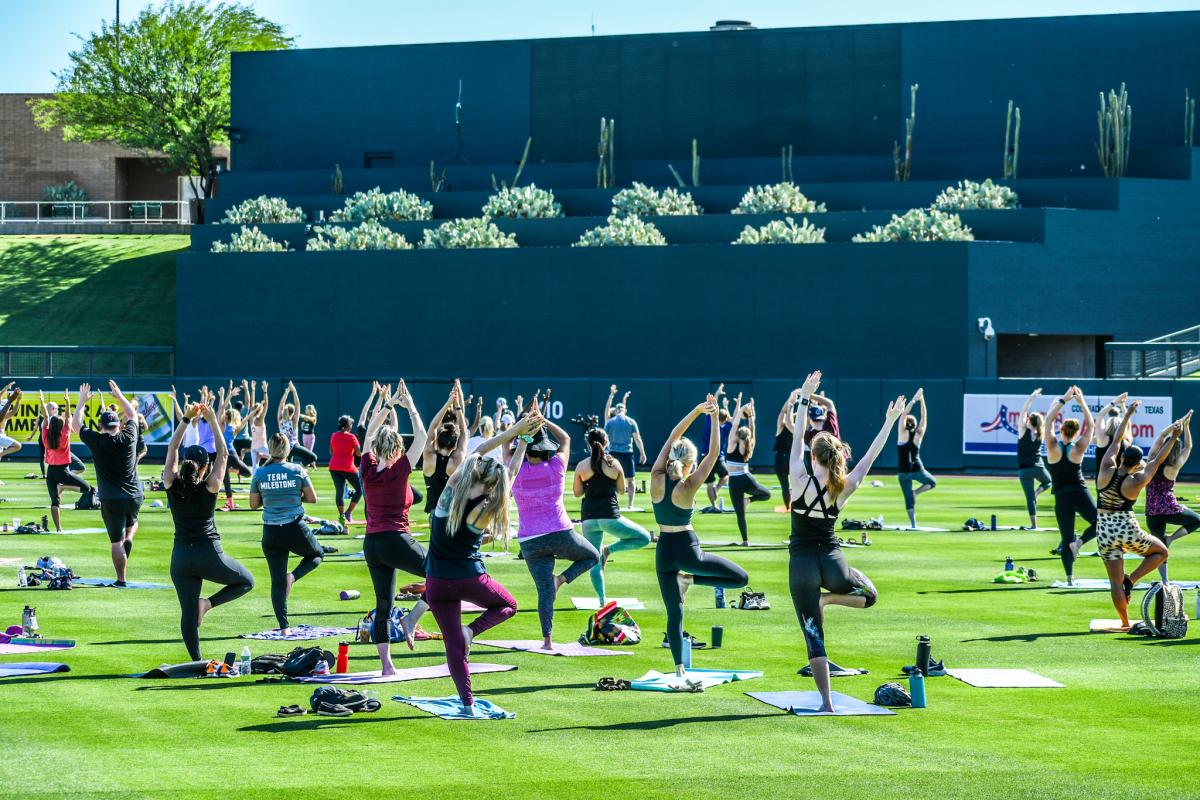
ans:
x=680 y=551
x=783 y=471
x=235 y=464
x=278 y=543
x=816 y=568
x=302 y=454
x=192 y=563
x=340 y=479
x=741 y=487
x=58 y=475
x=1066 y=505
x=1028 y=476
x=387 y=552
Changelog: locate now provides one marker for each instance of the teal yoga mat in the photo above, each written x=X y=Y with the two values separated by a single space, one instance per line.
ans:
x=805 y=704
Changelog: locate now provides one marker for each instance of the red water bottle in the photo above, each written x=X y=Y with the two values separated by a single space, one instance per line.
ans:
x=343 y=657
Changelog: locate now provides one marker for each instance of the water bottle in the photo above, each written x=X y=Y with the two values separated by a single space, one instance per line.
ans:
x=719 y=594
x=993 y=522
x=29 y=623
x=343 y=657
x=22 y=581
x=687 y=652
x=923 y=650
x=916 y=688
x=244 y=669
x=1008 y=563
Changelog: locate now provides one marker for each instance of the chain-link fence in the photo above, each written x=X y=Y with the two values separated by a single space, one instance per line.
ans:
x=86 y=362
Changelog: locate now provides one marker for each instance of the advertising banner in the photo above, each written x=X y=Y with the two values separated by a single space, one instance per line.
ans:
x=990 y=420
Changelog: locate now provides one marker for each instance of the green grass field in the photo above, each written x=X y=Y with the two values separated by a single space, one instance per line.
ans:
x=100 y=290
x=1124 y=724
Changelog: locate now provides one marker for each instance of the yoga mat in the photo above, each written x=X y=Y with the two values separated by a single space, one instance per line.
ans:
x=1019 y=528
x=188 y=669
x=1106 y=626
x=634 y=510
x=24 y=669
x=300 y=633
x=920 y=528
x=560 y=648
x=1126 y=556
x=715 y=543
x=1003 y=679
x=111 y=583
x=73 y=531
x=805 y=704
x=360 y=555
x=452 y=708
x=1090 y=584
x=593 y=603
x=411 y=674
x=24 y=648
x=654 y=681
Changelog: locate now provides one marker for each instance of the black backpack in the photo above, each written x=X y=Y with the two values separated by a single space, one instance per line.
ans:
x=1163 y=613
x=302 y=661
x=268 y=664
x=87 y=501
x=326 y=695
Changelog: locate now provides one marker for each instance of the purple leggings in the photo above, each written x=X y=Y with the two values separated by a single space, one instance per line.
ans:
x=445 y=599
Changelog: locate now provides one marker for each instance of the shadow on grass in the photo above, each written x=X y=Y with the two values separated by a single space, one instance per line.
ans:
x=1029 y=637
x=164 y=641
x=312 y=723
x=999 y=587
x=198 y=683
x=543 y=688
x=658 y=724
x=56 y=677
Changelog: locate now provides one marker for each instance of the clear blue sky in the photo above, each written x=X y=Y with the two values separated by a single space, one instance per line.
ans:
x=36 y=36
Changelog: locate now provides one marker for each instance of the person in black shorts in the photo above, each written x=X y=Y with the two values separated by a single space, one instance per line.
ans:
x=114 y=456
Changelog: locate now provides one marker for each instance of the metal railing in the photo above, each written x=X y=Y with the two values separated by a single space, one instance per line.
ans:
x=96 y=212
x=1175 y=355
x=86 y=361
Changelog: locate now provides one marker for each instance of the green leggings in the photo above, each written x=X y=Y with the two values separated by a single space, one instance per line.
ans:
x=630 y=536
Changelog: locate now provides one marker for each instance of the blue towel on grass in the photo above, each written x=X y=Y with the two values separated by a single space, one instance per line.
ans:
x=654 y=681
x=112 y=582
x=22 y=669
x=452 y=708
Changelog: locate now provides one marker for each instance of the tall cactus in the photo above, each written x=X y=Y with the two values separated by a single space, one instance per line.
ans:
x=338 y=187
x=1115 y=120
x=1189 y=117
x=904 y=168
x=695 y=163
x=604 y=172
x=1012 y=147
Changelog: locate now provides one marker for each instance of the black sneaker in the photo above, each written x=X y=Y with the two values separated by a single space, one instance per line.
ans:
x=333 y=710
x=119 y=584
x=696 y=643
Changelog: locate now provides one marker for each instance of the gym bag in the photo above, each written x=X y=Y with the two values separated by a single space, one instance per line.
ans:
x=611 y=625
x=87 y=501
x=333 y=696
x=395 y=630
x=1163 y=614
x=305 y=661
x=268 y=664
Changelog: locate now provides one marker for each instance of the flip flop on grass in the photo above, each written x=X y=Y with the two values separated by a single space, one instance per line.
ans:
x=291 y=711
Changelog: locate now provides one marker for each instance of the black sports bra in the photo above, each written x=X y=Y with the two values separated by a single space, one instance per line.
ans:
x=813 y=522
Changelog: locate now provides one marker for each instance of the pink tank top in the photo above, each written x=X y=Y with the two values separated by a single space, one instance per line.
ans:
x=538 y=491
x=1160 y=496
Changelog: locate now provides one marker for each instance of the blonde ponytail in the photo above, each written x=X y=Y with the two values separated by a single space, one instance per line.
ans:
x=830 y=453
x=682 y=452
x=492 y=475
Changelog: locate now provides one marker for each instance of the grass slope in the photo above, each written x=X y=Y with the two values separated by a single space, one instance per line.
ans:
x=104 y=290
x=96 y=733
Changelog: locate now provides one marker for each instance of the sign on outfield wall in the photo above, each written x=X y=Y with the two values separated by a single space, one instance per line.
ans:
x=156 y=407
x=990 y=420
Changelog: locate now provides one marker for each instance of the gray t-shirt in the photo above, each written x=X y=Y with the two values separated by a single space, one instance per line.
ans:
x=281 y=485
x=620 y=430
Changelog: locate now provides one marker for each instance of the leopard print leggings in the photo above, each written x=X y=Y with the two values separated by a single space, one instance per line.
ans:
x=1118 y=532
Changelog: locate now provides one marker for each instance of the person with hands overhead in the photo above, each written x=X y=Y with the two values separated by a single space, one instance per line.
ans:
x=56 y=439
x=1162 y=506
x=1031 y=469
x=8 y=409
x=679 y=561
x=1064 y=460
x=192 y=483
x=785 y=426
x=447 y=446
x=288 y=416
x=815 y=558
x=909 y=468
x=114 y=457
x=1120 y=479
x=743 y=488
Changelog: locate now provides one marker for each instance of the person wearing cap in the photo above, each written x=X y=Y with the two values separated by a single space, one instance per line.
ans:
x=544 y=529
x=114 y=457
x=192 y=483
x=623 y=435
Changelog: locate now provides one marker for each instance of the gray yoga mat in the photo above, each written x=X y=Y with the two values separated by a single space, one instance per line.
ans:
x=805 y=704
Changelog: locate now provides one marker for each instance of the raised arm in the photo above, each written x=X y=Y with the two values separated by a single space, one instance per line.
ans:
x=85 y=394
x=564 y=440
x=714 y=449
x=752 y=424
x=170 y=463
x=382 y=411
x=787 y=415
x=612 y=393
x=895 y=410
x=1110 y=456
x=660 y=463
x=1051 y=441
x=738 y=413
x=283 y=396
x=127 y=409
x=295 y=405
x=478 y=416
x=1024 y=418
x=1187 y=438
x=1152 y=466
x=919 y=433
x=460 y=421
x=1089 y=423
x=420 y=435
x=217 y=474
x=804 y=395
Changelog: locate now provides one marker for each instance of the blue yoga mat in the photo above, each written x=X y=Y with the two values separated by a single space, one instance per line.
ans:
x=654 y=681
x=111 y=582
x=452 y=708
x=25 y=668
x=805 y=704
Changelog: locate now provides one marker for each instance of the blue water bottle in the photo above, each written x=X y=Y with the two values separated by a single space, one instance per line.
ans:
x=719 y=594
x=1008 y=564
x=916 y=688
x=687 y=652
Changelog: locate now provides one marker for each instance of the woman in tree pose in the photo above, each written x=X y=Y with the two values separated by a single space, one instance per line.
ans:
x=1107 y=422
x=473 y=505
x=233 y=424
x=1121 y=478
x=743 y=488
x=288 y=417
x=308 y=427
x=344 y=451
x=679 y=561
x=1162 y=507
x=544 y=529
x=1031 y=469
x=192 y=485
x=600 y=481
x=56 y=439
x=908 y=451
x=389 y=546
x=281 y=489
x=815 y=559
x=1064 y=459
x=445 y=449
x=785 y=425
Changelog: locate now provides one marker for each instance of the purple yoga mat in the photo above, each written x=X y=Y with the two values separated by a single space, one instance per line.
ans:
x=10 y=649
x=560 y=648
x=412 y=674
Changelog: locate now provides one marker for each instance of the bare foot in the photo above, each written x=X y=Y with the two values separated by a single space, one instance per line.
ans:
x=387 y=668
x=291 y=581
x=410 y=632
x=1075 y=545
x=827 y=707
x=468 y=637
x=559 y=580
x=604 y=554
x=205 y=605
x=685 y=583
x=548 y=643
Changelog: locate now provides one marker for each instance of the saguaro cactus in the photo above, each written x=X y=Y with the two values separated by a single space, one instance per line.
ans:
x=1012 y=146
x=1114 y=119
x=604 y=172
x=1189 y=117
x=904 y=168
x=338 y=186
x=785 y=163
x=695 y=163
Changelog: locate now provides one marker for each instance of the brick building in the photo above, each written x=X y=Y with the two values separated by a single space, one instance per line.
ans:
x=32 y=159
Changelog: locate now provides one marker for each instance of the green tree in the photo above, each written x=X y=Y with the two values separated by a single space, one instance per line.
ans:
x=159 y=84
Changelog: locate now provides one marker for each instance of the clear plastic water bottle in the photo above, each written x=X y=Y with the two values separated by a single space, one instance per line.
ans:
x=244 y=668
x=719 y=594
x=22 y=581
x=687 y=652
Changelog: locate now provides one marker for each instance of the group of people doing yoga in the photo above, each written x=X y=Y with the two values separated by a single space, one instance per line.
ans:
x=1123 y=470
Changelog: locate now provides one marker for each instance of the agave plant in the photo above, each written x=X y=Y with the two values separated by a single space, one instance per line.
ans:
x=784 y=231
x=250 y=240
x=777 y=198
x=398 y=206
x=527 y=202
x=971 y=195
x=262 y=210
x=641 y=201
x=370 y=235
x=920 y=225
x=466 y=233
x=622 y=232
